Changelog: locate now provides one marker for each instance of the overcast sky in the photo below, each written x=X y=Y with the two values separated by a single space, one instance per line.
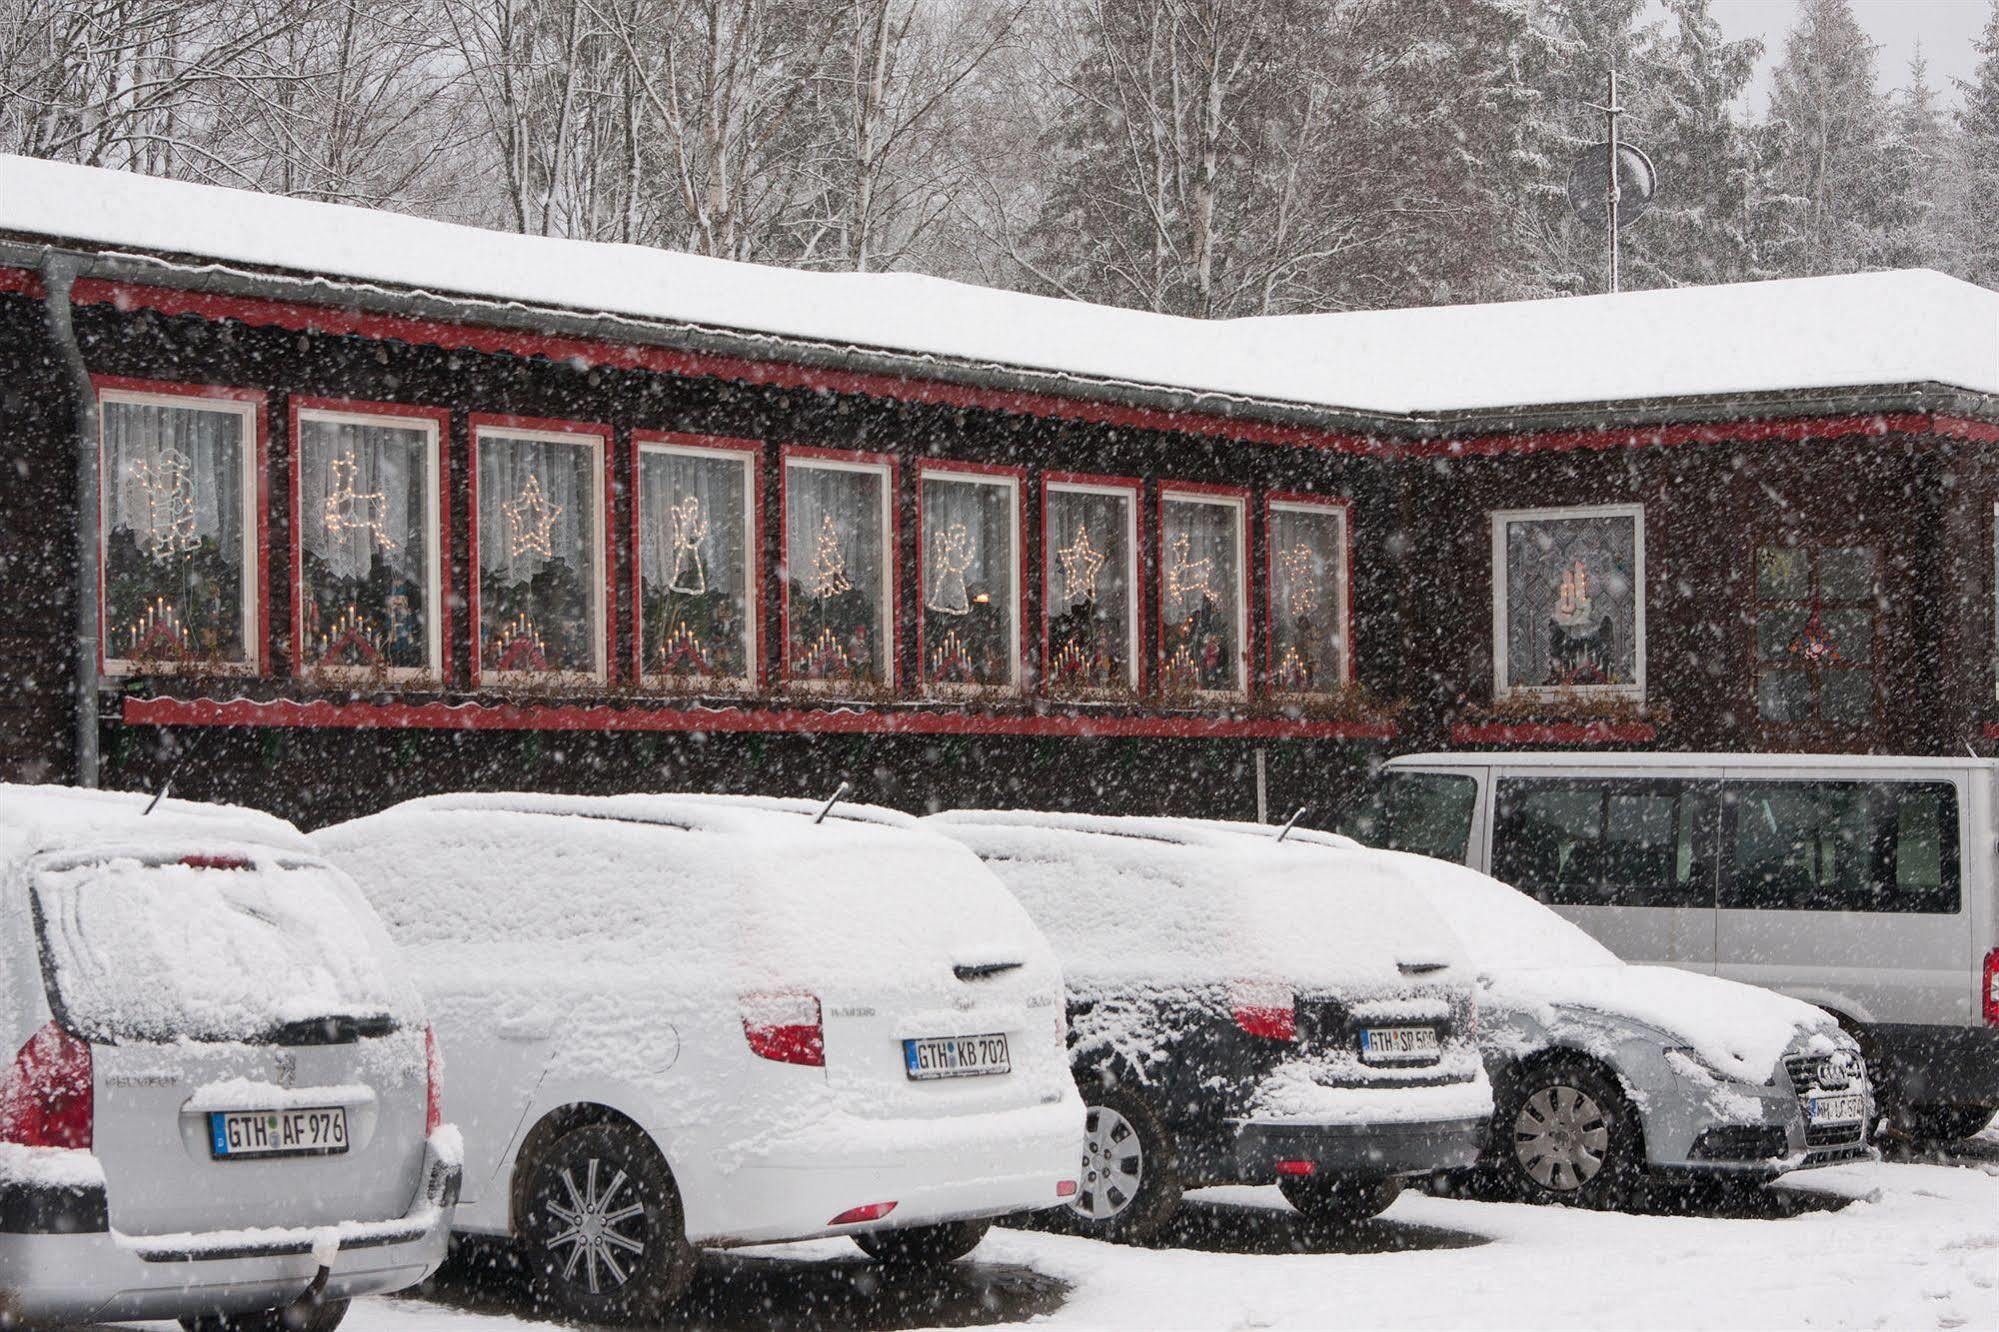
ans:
x=1946 y=29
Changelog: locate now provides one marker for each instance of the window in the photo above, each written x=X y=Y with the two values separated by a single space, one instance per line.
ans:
x=968 y=577
x=839 y=590
x=1569 y=602
x=1203 y=624
x=366 y=542
x=1427 y=813
x=1815 y=608
x=181 y=539
x=1090 y=579
x=538 y=581
x=1842 y=846
x=1627 y=843
x=1307 y=582
x=696 y=567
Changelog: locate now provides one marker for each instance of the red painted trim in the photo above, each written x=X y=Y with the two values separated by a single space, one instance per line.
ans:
x=1134 y=644
x=478 y=421
x=323 y=713
x=21 y=282
x=891 y=557
x=752 y=453
x=1299 y=499
x=1962 y=427
x=1198 y=492
x=1991 y=730
x=1553 y=733
x=926 y=468
x=260 y=486
x=440 y=418
x=1789 y=429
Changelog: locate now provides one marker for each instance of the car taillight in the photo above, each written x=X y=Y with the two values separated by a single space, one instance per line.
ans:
x=785 y=1028
x=1268 y=1009
x=47 y=1099
x=865 y=1212
x=217 y=862
x=1991 y=988
x=433 y=1078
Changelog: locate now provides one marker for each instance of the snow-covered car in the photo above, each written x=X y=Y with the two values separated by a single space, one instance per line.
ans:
x=225 y=1105
x=1605 y=1073
x=683 y=1021
x=1232 y=1021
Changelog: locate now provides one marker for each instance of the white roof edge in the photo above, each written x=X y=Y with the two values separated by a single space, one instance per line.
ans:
x=1828 y=333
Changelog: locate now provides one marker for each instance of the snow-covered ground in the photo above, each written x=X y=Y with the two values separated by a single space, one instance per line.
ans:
x=1898 y=1245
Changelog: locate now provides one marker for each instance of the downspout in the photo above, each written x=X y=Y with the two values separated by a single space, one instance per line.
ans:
x=58 y=277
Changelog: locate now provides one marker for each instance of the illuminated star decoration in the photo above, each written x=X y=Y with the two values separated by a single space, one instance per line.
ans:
x=530 y=520
x=1303 y=587
x=689 y=530
x=348 y=510
x=169 y=485
x=829 y=564
x=1189 y=577
x=1081 y=562
x=953 y=557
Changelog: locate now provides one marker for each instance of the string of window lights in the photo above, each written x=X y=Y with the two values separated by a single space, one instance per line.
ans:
x=1301 y=586
x=530 y=521
x=350 y=510
x=687 y=529
x=1188 y=576
x=168 y=484
x=829 y=563
x=950 y=561
x=1081 y=563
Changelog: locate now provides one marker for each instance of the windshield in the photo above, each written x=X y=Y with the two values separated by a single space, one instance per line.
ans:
x=212 y=949
x=1428 y=813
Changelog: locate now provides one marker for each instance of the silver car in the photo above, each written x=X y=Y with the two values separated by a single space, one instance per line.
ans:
x=1605 y=1074
x=224 y=1106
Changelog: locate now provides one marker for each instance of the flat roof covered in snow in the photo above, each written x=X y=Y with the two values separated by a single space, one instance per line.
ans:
x=1863 y=330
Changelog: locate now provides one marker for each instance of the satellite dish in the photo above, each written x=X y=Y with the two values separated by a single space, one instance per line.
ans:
x=1637 y=182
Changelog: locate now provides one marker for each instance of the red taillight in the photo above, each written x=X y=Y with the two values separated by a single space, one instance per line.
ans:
x=1065 y=1188
x=47 y=1100
x=433 y=1077
x=866 y=1212
x=1991 y=988
x=1267 y=1009
x=785 y=1028
x=216 y=862
x=1299 y=1168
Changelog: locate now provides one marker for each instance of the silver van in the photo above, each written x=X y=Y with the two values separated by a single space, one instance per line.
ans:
x=1864 y=885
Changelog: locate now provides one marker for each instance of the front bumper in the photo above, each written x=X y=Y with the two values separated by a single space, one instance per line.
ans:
x=97 y=1274
x=1370 y=1150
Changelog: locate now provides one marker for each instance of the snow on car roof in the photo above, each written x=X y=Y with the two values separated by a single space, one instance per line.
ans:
x=688 y=810
x=36 y=819
x=1828 y=332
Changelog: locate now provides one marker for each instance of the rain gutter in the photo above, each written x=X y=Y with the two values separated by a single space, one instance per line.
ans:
x=59 y=273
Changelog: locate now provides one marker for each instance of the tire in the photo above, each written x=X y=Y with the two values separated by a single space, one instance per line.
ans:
x=1565 y=1134
x=1337 y=1202
x=923 y=1246
x=603 y=1233
x=322 y=1317
x=1130 y=1182
x=1942 y=1125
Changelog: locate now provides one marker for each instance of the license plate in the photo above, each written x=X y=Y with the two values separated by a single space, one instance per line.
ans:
x=241 y=1135
x=1840 y=1108
x=956 y=1056
x=1398 y=1045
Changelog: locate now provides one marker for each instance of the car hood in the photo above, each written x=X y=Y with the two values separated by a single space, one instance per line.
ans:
x=1738 y=1030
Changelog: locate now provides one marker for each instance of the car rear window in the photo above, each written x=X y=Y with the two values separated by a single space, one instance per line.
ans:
x=213 y=948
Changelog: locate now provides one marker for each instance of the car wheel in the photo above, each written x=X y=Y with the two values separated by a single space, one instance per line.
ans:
x=1567 y=1135
x=923 y=1246
x=1130 y=1183
x=1339 y=1202
x=604 y=1235
x=320 y=1317
x=1941 y=1125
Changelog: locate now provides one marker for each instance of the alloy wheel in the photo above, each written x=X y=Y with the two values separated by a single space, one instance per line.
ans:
x=1561 y=1137
x=588 y=1235
x=1113 y=1165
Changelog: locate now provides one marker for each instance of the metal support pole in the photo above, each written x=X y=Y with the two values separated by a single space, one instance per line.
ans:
x=58 y=276
x=1612 y=193
x=1262 y=789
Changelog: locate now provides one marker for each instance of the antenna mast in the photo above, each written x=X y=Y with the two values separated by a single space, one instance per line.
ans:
x=1613 y=195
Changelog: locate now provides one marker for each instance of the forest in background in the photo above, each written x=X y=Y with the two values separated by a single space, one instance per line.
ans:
x=1203 y=157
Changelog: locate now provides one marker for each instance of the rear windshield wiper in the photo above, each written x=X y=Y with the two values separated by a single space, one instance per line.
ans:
x=337 y=1029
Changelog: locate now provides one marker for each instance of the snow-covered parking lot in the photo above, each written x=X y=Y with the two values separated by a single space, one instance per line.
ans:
x=1900 y=1245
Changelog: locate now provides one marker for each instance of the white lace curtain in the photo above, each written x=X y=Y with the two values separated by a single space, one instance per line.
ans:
x=537 y=504
x=379 y=479
x=983 y=511
x=667 y=482
x=1072 y=561
x=852 y=546
x=1199 y=559
x=175 y=475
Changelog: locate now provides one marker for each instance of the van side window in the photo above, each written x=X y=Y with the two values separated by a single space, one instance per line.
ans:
x=1842 y=846
x=1592 y=842
x=1428 y=813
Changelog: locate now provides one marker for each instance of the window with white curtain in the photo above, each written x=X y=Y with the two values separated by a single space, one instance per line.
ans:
x=697 y=599
x=368 y=545
x=180 y=556
x=1569 y=601
x=540 y=558
x=839 y=616
x=1308 y=596
x=1089 y=602
x=970 y=576
x=1202 y=620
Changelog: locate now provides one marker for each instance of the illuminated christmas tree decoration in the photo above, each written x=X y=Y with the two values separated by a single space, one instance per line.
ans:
x=157 y=632
x=1180 y=672
x=350 y=634
x=1189 y=579
x=1292 y=672
x=681 y=653
x=1081 y=563
x=348 y=510
x=168 y=482
x=829 y=563
x=951 y=660
x=1072 y=663
x=530 y=521
x=952 y=557
x=1301 y=586
x=688 y=530
x=519 y=647
x=826 y=658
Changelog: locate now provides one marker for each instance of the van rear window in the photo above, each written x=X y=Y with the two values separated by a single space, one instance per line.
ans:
x=1842 y=846
x=1428 y=813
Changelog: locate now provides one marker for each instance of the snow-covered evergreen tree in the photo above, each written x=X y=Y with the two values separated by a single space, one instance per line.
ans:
x=1976 y=184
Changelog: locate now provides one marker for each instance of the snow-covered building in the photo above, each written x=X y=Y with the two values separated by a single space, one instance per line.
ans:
x=384 y=505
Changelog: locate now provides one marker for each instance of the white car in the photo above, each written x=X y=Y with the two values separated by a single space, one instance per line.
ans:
x=682 y=1021
x=225 y=1106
